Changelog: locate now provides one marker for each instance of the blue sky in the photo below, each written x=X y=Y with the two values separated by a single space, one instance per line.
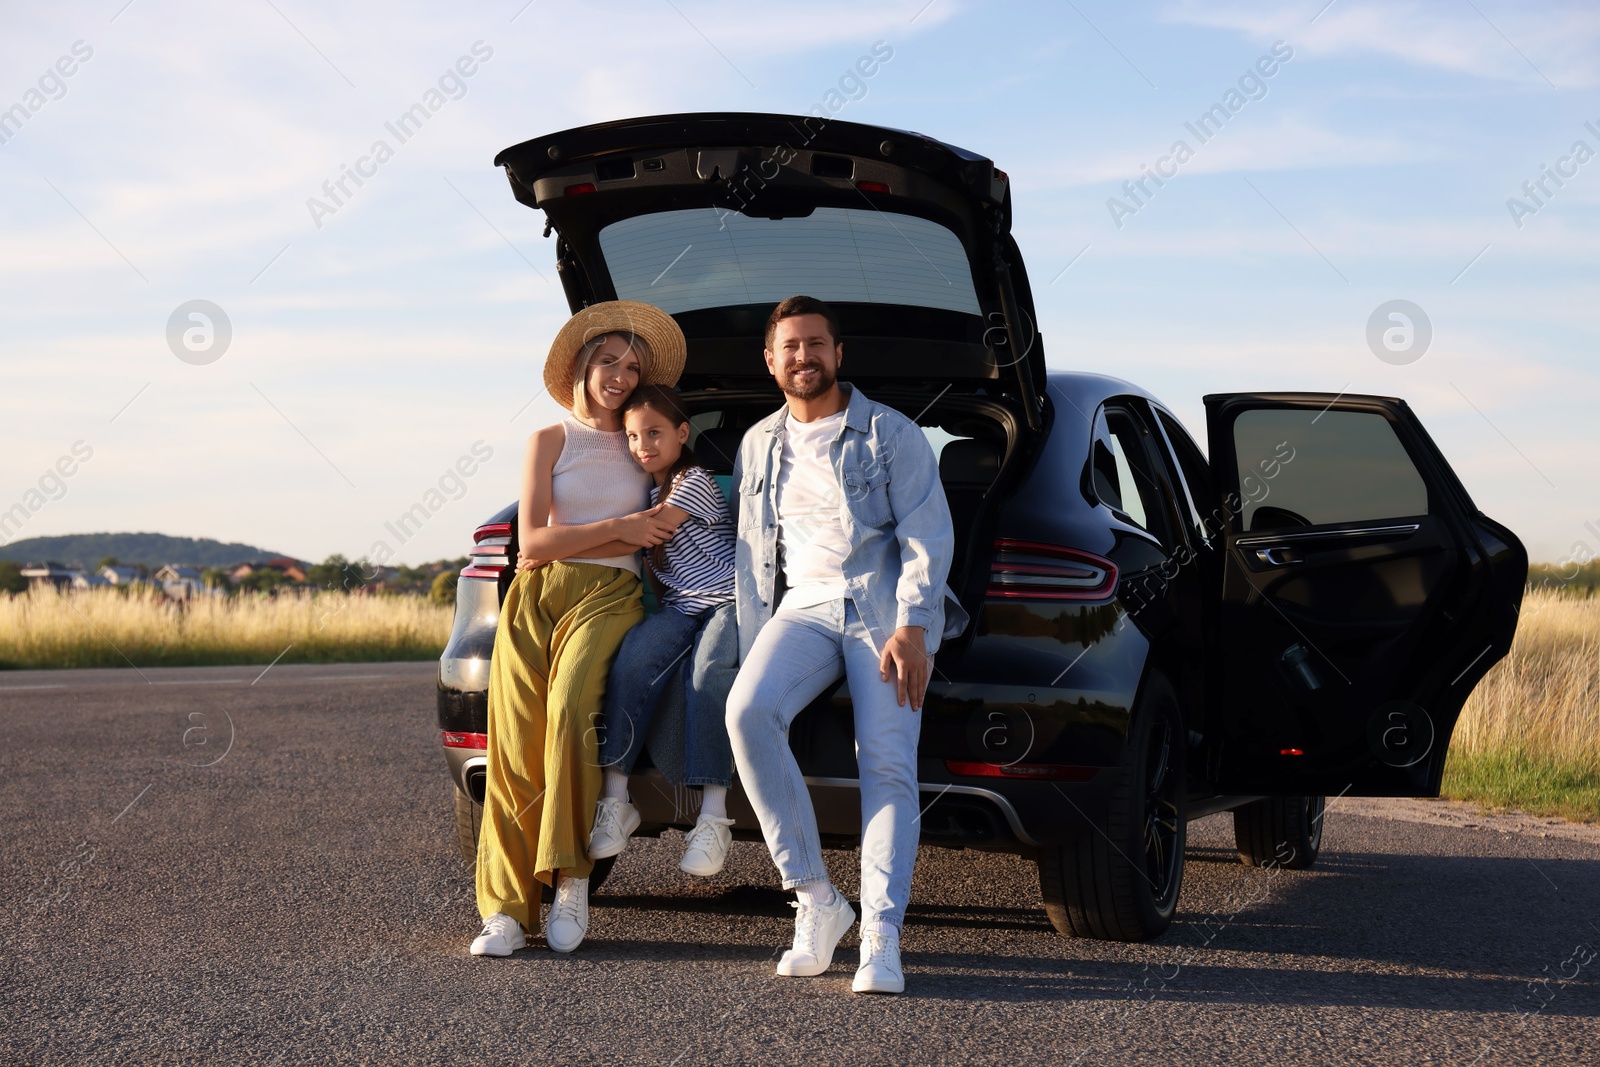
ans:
x=373 y=348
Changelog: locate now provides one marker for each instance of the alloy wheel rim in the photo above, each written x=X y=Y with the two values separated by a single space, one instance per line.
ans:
x=1316 y=808
x=1161 y=815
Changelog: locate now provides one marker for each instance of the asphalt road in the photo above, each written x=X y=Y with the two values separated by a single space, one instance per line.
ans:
x=282 y=887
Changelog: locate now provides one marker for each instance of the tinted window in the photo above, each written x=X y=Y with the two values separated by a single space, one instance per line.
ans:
x=1323 y=467
x=1196 y=475
x=1120 y=470
x=703 y=258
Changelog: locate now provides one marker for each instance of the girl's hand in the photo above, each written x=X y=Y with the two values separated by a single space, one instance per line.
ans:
x=526 y=562
x=646 y=529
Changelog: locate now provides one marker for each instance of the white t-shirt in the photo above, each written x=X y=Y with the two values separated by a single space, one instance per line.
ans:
x=811 y=541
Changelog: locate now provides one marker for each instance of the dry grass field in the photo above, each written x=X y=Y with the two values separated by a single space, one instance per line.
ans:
x=1528 y=739
x=107 y=628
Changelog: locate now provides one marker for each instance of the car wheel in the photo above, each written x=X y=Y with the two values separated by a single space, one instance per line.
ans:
x=1279 y=831
x=1120 y=882
x=469 y=817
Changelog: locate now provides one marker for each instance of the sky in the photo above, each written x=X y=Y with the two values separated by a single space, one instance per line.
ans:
x=377 y=344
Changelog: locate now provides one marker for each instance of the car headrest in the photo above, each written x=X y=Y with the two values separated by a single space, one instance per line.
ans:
x=716 y=448
x=969 y=462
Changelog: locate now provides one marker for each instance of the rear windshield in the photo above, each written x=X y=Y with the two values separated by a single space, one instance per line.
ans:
x=704 y=258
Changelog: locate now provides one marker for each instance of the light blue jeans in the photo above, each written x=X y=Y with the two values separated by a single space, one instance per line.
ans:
x=796 y=656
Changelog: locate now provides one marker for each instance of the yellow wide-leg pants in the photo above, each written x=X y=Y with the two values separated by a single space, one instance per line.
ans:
x=560 y=627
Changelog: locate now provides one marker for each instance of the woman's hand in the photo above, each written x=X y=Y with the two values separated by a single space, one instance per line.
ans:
x=526 y=562
x=646 y=529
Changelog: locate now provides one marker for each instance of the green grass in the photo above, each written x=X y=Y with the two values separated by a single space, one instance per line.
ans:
x=1512 y=780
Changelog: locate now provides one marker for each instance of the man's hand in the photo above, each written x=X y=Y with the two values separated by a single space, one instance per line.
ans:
x=904 y=656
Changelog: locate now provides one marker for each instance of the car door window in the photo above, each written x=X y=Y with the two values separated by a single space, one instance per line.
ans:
x=1300 y=467
x=1195 y=474
x=1121 y=473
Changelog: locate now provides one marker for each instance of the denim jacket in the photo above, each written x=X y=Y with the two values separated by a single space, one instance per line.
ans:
x=895 y=517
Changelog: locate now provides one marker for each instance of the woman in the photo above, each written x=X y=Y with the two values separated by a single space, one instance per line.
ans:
x=583 y=505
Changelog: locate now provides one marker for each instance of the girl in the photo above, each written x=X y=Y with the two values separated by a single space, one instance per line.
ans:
x=584 y=506
x=694 y=574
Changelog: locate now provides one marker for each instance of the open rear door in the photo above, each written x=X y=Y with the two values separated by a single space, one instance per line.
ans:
x=1363 y=596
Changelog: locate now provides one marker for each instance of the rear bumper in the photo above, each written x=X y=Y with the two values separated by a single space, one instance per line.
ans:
x=1003 y=816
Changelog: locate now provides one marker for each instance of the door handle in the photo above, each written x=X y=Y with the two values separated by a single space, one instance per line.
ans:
x=1277 y=556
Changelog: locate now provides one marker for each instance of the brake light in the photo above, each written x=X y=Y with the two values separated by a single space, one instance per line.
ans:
x=1039 y=772
x=1291 y=752
x=1027 y=570
x=579 y=189
x=490 y=552
x=873 y=187
x=455 y=740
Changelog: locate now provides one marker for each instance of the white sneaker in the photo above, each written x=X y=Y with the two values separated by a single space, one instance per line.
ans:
x=880 y=966
x=707 y=849
x=569 y=915
x=817 y=931
x=614 y=822
x=501 y=936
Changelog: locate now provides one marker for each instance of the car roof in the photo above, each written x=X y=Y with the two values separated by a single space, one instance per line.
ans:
x=1087 y=391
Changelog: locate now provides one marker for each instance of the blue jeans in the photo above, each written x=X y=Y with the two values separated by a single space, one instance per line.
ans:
x=795 y=658
x=648 y=661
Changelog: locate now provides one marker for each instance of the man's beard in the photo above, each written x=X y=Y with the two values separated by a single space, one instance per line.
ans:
x=819 y=385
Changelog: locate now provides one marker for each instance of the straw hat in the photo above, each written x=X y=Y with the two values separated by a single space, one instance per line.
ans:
x=656 y=327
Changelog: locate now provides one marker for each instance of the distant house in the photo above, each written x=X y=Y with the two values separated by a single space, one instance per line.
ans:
x=181 y=582
x=55 y=574
x=290 y=568
x=119 y=575
x=90 y=581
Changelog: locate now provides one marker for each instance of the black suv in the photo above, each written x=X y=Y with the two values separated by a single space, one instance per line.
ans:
x=1154 y=636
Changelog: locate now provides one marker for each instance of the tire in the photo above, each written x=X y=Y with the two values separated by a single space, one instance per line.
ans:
x=1120 y=882
x=1279 y=831
x=469 y=818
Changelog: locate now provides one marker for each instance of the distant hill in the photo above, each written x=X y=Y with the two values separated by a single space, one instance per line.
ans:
x=150 y=549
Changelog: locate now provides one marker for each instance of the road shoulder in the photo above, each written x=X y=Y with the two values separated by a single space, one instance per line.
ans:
x=1463 y=815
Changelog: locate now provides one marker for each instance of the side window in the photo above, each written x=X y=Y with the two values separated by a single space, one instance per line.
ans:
x=1299 y=467
x=1120 y=473
x=1196 y=476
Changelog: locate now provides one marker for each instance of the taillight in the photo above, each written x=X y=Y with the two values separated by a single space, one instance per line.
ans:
x=491 y=551
x=458 y=740
x=1027 y=570
x=579 y=189
x=873 y=187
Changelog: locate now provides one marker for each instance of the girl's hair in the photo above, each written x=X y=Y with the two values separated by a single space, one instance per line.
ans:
x=585 y=356
x=664 y=400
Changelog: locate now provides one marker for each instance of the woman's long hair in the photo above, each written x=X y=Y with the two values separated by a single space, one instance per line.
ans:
x=664 y=400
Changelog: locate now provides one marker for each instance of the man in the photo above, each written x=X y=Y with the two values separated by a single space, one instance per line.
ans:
x=839 y=496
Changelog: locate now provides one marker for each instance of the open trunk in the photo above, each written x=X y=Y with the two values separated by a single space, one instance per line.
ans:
x=715 y=218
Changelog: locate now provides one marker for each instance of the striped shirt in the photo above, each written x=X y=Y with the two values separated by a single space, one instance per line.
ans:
x=699 y=557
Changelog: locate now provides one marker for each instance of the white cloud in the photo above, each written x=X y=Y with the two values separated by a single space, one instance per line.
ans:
x=1520 y=44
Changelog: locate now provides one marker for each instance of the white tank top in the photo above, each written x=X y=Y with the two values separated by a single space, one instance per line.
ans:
x=595 y=478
